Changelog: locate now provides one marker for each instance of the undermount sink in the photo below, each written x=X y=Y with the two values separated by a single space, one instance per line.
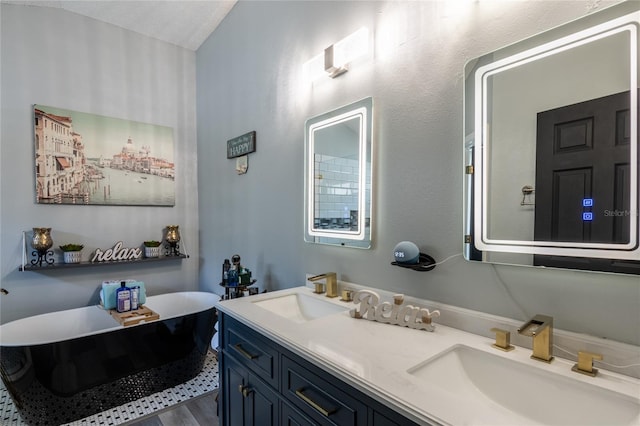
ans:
x=505 y=390
x=299 y=307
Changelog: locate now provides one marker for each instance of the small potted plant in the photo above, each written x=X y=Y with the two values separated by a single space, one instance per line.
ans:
x=152 y=248
x=72 y=252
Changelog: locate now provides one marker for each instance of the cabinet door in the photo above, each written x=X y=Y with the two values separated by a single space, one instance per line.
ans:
x=247 y=400
x=235 y=379
x=261 y=403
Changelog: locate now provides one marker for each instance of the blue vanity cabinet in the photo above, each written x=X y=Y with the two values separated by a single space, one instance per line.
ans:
x=263 y=383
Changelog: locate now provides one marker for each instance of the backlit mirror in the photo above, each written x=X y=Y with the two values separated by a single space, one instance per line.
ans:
x=338 y=176
x=551 y=147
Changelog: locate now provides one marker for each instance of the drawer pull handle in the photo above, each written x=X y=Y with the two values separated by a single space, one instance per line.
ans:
x=244 y=353
x=245 y=390
x=314 y=404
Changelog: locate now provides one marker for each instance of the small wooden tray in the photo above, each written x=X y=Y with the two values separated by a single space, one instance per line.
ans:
x=134 y=317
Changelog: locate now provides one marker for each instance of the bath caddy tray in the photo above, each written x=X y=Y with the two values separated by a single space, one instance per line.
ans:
x=134 y=317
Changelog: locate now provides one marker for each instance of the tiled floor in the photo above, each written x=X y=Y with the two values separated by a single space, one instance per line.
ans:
x=205 y=383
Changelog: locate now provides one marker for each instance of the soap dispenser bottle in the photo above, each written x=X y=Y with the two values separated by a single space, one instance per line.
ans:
x=135 y=297
x=123 y=298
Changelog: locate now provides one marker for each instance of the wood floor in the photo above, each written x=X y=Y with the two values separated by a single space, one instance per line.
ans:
x=200 y=411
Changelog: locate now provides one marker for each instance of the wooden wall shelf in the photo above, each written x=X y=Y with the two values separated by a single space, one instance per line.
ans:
x=62 y=265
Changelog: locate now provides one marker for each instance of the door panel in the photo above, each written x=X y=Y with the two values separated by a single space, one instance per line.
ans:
x=582 y=155
x=263 y=407
x=234 y=403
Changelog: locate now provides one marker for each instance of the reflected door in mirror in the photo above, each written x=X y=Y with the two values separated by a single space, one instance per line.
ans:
x=582 y=179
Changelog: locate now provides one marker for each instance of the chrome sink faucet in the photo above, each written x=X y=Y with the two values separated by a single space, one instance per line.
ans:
x=331 y=283
x=540 y=327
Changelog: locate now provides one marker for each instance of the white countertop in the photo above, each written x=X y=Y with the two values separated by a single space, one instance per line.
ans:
x=374 y=358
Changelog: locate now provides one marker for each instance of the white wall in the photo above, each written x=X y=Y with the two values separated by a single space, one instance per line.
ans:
x=249 y=77
x=57 y=58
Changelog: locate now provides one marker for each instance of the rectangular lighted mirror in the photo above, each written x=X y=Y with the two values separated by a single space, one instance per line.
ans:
x=551 y=146
x=338 y=176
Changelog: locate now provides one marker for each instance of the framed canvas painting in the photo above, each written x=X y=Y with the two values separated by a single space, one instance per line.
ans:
x=83 y=158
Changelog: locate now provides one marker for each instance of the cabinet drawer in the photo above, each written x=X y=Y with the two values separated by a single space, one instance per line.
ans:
x=252 y=350
x=319 y=399
x=291 y=417
x=380 y=420
x=389 y=418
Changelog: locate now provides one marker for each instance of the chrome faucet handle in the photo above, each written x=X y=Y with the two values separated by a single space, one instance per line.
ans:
x=503 y=340
x=585 y=363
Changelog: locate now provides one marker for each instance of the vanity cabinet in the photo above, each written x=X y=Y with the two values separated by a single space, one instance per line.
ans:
x=263 y=383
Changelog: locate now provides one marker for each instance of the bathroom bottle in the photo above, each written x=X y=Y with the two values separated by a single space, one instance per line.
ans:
x=232 y=278
x=123 y=298
x=135 y=294
x=225 y=271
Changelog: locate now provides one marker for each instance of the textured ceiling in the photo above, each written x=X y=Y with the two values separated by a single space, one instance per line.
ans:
x=186 y=23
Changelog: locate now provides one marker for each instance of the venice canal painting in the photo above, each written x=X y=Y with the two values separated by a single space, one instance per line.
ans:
x=84 y=158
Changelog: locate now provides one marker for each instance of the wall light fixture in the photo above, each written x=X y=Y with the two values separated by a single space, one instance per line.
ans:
x=336 y=58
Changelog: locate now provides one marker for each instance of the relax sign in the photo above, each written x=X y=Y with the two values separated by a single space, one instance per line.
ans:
x=396 y=313
x=117 y=252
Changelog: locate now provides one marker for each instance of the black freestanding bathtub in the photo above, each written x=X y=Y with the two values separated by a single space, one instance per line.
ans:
x=67 y=365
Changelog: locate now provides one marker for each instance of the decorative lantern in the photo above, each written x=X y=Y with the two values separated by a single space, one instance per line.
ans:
x=42 y=242
x=172 y=237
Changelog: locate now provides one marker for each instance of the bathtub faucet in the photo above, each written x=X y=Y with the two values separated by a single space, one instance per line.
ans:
x=330 y=280
x=3 y=291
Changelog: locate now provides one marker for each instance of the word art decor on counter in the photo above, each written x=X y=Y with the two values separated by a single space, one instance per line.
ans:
x=405 y=316
x=117 y=252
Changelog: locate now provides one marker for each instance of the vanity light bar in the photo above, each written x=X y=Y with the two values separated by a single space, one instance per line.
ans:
x=335 y=59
